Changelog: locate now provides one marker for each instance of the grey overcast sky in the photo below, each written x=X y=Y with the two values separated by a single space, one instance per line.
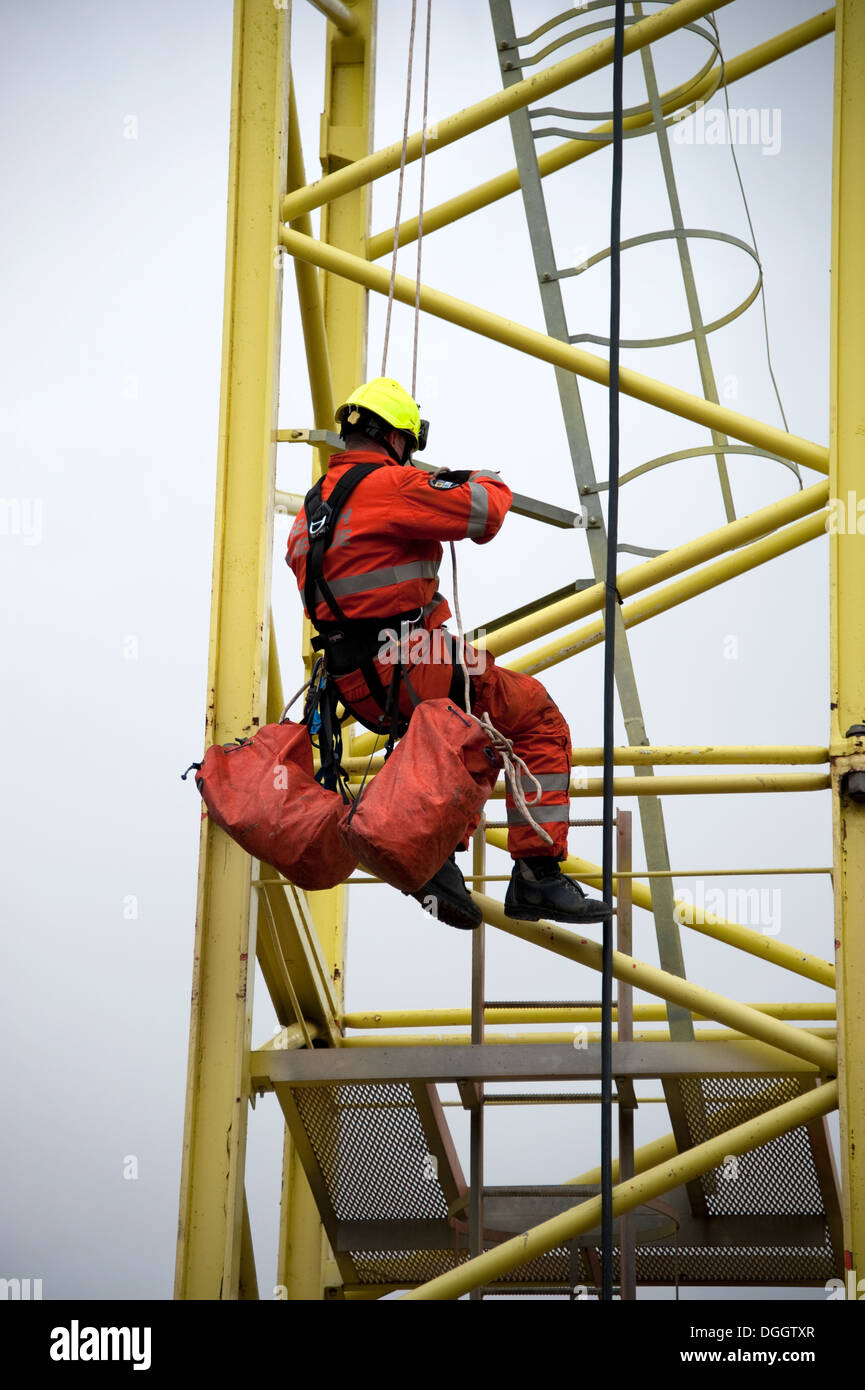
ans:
x=113 y=236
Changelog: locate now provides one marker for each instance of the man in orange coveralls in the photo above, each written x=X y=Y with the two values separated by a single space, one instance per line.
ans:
x=365 y=552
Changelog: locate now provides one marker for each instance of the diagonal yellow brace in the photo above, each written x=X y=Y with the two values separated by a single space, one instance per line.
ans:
x=493 y=108
x=561 y=156
x=549 y=1013
x=696 y=998
x=768 y=948
x=661 y=600
x=675 y=561
x=710 y=784
x=731 y=536
x=652 y=1182
x=559 y=354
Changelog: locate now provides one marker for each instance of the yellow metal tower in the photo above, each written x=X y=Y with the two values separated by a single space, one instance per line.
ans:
x=373 y=1195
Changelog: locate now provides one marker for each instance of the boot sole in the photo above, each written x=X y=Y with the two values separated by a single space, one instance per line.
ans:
x=530 y=914
x=463 y=924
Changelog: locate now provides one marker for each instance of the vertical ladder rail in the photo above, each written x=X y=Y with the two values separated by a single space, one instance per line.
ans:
x=701 y=344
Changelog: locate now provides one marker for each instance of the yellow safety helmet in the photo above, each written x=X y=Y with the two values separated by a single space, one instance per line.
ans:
x=385 y=398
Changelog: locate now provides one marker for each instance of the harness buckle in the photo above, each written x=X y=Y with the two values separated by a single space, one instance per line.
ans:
x=320 y=521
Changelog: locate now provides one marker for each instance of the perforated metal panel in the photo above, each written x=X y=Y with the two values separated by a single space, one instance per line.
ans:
x=404 y=1267
x=777 y=1179
x=372 y=1155
x=708 y=1264
x=551 y=1268
x=372 y=1151
x=780 y=1176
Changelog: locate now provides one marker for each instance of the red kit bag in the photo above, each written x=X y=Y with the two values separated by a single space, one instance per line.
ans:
x=262 y=792
x=417 y=808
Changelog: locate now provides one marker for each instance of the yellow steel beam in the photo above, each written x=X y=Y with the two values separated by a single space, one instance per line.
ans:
x=661 y=983
x=710 y=785
x=716 y=785
x=333 y=314
x=299 y=1275
x=708 y=924
x=509 y=1039
x=652 y=1182
x=483 y=113
x=669 y=596
x=847 y=616
x=646 y=1156
x=660 y=600
x=679 y=99
x=707 y=873
x=247 y=1282
x=344 y=19
x=309 y=295
x=211 y=1198
x=731 y=536
x=559 y=354
x=709 y=755
x=338 y=319
x=346 y=134
x=448 y=1018
x=552 y=616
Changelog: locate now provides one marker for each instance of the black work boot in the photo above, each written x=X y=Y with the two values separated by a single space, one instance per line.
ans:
x=446 y=897
x=539 y=889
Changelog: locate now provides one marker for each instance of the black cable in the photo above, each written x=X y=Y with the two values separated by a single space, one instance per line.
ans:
x=611 y=598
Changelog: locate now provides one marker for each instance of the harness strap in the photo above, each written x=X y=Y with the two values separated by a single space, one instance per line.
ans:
x=321 y=519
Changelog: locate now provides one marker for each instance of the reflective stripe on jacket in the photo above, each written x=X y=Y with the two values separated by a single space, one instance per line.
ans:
x=385 y=553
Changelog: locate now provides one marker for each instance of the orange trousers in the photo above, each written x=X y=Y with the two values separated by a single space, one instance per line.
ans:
x=518 y=706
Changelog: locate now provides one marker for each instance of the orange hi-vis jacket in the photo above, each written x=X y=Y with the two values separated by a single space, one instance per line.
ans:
x=385 y=554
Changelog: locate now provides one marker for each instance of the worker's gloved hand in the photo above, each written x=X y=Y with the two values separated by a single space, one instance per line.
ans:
x=452 y=476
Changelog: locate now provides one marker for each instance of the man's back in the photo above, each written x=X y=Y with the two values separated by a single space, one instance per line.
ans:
x=386 y=548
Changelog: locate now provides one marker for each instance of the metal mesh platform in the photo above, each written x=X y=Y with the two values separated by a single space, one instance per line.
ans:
x=372 y=1150
x=381 y=1161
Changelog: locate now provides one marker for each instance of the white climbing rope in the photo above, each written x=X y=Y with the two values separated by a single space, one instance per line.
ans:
x=420 y=196
x=401 y=183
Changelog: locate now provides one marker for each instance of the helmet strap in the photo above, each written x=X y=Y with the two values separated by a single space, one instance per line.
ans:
x=369 y=425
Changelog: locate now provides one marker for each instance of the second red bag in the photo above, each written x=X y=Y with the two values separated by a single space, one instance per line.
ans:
x=417 y=808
